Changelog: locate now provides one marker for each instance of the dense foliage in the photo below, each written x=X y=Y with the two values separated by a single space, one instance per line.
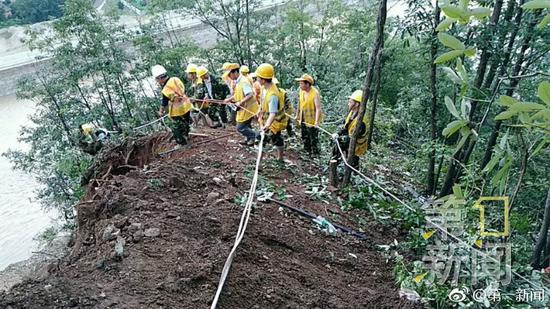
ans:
x=30 y=11
x=463 y=103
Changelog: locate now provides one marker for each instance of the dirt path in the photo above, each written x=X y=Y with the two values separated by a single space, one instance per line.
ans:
x=157 y=237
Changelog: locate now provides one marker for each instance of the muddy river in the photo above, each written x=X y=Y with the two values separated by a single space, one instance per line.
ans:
x=21 y=217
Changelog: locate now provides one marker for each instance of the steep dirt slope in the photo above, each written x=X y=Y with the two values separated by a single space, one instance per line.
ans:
x=155 y=233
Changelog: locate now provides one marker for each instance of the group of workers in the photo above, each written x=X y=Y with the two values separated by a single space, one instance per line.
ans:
x=253 y=97
x=242 y=98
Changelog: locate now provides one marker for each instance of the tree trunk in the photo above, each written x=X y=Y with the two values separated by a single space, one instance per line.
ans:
x=495 y=57
x=379 y=43
x=110 y=106
x=123 y=94
x=512 y=87
x=430 y=190
x=485 y=55
x=303 y=51
x=58 y=112
x=522 y=170
x=169 y=32
x=460 y=158
x=248 y=34
x=374 y=102
x=333 y=173
x=84 y=100
x=541 y=243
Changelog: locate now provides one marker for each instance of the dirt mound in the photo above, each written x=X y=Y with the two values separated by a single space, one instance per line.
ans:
x=158 y=238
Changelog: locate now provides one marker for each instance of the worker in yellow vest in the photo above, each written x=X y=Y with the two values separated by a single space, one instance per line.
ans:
x=272 y=109
x=92 y=138
x=245 y=102
x=245 y=72
x=310 y=113
x=178 y=104
x=289 y=109
x=345 y=133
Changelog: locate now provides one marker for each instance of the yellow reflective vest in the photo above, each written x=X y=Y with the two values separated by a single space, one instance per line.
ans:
x=351 y=123
x=281 y=120
x=250 y=107
x=306 y=107
x=179 y=104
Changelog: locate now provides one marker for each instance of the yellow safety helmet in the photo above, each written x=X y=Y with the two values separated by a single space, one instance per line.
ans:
x=245 y=69
x=265 y=71
x=226 y=65
x=201 y=71
x=231 y=67
x=357 y=96
x=305 y=78
x=191 y=68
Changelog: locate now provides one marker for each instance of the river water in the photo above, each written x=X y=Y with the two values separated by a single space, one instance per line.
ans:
x=21 y=217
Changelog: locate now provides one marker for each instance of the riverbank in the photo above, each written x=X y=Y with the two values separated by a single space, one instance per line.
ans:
x=38 y=265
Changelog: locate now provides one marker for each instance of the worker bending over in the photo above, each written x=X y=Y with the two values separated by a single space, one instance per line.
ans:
x=92 y=138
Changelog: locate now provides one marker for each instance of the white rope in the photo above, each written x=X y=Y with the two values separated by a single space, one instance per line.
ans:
x=152 y=122
x=242 y=225
x=437 y=226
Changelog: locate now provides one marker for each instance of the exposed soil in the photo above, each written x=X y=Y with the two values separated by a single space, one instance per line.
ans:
x=176 y=218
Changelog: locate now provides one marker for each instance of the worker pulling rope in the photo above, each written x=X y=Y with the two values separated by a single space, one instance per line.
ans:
x=242 y=225
x=334 y=137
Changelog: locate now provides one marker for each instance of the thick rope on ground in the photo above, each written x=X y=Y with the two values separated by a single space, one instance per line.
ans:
x=242 y=224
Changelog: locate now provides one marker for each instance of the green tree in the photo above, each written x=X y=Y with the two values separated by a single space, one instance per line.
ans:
x=33 y=11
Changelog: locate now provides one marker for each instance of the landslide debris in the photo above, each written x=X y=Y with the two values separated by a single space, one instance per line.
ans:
x=155 y=232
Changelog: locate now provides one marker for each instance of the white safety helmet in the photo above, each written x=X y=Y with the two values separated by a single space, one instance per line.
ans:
x=158 y=70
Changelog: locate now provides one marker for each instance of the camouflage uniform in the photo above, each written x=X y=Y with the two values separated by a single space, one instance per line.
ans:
x=220 y=91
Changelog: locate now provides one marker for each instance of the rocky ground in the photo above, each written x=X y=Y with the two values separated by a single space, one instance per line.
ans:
x=155 y=232
x=37 y=265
